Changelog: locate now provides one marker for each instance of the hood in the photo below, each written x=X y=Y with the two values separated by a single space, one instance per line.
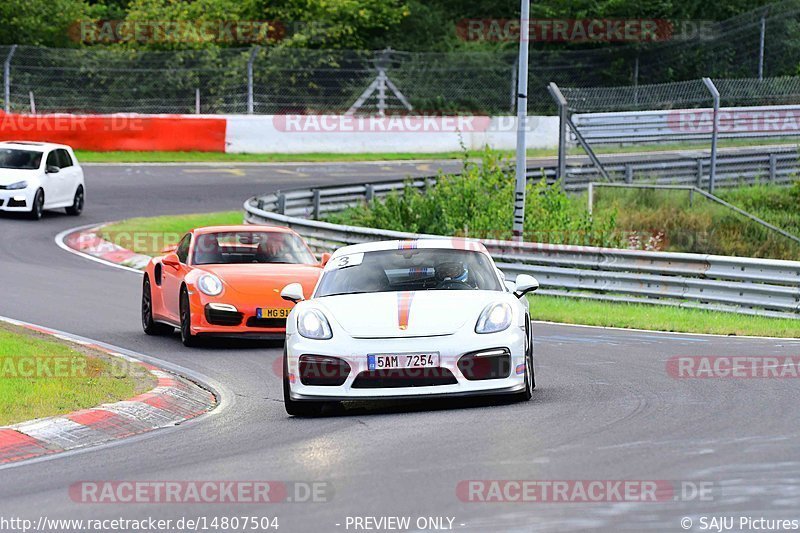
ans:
x=12 y=175
x=253 y=279
x=406 y=314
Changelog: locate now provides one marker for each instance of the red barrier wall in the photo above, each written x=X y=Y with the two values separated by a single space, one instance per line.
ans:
x=128 y=132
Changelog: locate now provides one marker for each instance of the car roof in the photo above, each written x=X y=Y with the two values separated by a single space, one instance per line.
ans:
x=240 y=228
x=445 y=243
x=22 y=145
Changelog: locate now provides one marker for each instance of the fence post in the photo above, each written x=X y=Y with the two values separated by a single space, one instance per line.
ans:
x=250 y=61
x=369 y=192
x=7 y=78
x=315 y=209
x=197 y=101
x=699 y=182
x=773 y=167
x=555 y=92
x=761 y=47
x=33 y=102
x=522 y=123
x=513 y=95
x=281 y=203
x=712 y=175
x=628 y=173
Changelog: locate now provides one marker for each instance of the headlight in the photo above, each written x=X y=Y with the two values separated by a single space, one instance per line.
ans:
x=494 y=318
x=209 y=284
x=16 y=186
x=312 y=324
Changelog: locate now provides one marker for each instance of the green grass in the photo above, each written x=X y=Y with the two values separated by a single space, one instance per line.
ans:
x=702 y=226
x=658 y=317
x=218 y=157
x=95 y=379
x=149 y=235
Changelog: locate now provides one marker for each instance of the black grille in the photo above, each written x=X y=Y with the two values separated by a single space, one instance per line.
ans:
x=255 y=322
x=323 y=371
x=223 y=318
x=16 y=203
x=1 y=203
x=494 y=363
x=404 y=377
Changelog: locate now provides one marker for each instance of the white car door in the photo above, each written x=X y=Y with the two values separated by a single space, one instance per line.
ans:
x=70 y=175
x=53 y=182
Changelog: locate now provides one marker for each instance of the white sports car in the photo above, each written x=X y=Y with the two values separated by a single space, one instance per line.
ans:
x=408 y=319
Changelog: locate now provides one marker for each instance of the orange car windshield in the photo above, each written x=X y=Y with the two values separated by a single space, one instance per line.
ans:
x=244 y=247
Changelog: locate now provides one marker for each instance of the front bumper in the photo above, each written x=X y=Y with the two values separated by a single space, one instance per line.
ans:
x=450 y=348
x=16 y=201
x=211 y=323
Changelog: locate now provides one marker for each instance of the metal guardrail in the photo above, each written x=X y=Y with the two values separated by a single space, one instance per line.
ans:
x=678 y=125
x=744 y=285
x=776 y=165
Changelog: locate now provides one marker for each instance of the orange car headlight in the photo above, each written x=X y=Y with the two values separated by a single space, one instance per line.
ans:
x=210 y=284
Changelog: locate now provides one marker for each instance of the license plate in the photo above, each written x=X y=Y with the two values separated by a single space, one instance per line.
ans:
x=271 y=312
x=404 y=360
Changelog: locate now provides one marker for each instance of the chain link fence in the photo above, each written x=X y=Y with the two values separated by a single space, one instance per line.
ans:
x=762 y=46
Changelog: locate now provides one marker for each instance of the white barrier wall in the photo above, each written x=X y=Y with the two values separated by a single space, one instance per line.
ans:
x=344 y=134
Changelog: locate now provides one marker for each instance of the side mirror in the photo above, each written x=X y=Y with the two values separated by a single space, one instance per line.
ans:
x=524 y=285
x=51 y=169
x=169 y=249
x=324 y=258
x=171 y=259
x=293 y=292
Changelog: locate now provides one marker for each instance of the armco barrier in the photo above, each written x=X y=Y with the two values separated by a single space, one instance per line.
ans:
x=744 y=285
x=676 y=125
x=740 y=166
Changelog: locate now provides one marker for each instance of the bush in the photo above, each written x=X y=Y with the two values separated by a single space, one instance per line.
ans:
x=479 y=203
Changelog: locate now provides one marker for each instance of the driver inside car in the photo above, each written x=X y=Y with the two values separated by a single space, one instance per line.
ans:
x=451 y=274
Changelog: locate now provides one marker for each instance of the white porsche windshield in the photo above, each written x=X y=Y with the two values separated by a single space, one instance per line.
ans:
x=408 y=270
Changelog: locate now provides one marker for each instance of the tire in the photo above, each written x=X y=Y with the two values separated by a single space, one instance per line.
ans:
x=530 y=376
x=189 y=340
x=77 y=203
x=38 y=206
x=293 y=407
x=150 y=326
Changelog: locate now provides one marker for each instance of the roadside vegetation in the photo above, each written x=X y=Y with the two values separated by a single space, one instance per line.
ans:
x=677 y=221
x=478 y=203
x=657 y=317
x=42 y=377
x=149 y=235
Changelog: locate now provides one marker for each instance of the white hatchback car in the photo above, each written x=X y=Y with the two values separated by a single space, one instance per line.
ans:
x=35 y=176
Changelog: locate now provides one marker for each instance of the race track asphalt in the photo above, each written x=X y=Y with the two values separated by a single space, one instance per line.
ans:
x=605 y=407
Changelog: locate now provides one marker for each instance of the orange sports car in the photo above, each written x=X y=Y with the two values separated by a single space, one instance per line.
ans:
x=226 y=281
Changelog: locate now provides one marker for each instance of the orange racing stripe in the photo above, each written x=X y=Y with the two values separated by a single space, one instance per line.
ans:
x=404 y=308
